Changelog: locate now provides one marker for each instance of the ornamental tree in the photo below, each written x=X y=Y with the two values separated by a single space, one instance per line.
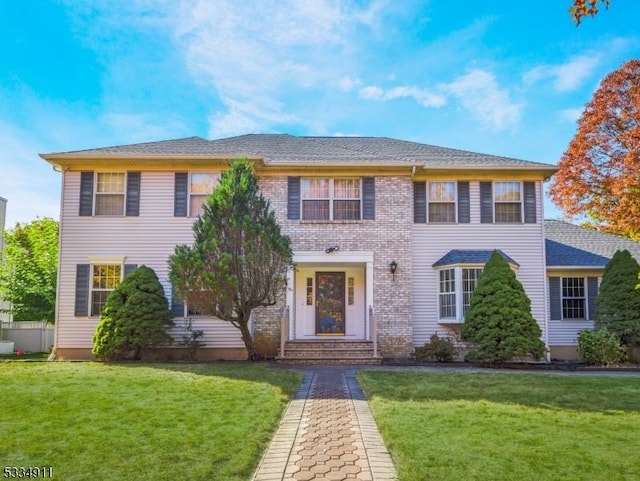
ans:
x=598 y=174
x=499 y=319
x=582 y=8
x=29 y=268
x=618 y=302
x=239 y=258
x=134 y=319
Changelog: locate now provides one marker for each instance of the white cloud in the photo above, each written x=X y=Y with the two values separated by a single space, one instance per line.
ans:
x=568 y=76
x=32 y=188
x=424 y=97
x=348 y=83
x=480 y=94
x=254 y=53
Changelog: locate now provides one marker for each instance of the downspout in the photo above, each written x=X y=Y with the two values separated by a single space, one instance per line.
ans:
x=545 y=285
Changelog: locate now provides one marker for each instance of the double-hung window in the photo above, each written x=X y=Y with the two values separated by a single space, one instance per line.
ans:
x=201 y=184
x=442 y=202
x=110 y=193
x=104 y=279
x=330 y=199
x=574 y=298
x=507 y=198
x=447 y=294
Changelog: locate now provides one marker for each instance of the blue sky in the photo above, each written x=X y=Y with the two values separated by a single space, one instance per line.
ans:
x=502 y=77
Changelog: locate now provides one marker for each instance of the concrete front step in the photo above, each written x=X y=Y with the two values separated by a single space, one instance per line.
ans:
x=338 y=351
x=369 y=360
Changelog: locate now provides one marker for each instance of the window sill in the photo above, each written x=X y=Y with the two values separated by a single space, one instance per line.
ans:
x=450 y=321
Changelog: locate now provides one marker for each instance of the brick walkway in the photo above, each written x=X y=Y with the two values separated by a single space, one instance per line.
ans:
x=327 y=433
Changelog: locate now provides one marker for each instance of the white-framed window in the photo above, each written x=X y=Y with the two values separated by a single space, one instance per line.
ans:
x=470 y=276
x=447 y=294
x=110 y=193
x=574 y=298
x=455 y=287
x=331 y=199
x=507 y=199
x=441 y=199
x=104 y=279
x=201 y=184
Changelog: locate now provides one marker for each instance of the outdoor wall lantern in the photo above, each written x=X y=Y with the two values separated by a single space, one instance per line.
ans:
x=392 y=267
x=331 y=249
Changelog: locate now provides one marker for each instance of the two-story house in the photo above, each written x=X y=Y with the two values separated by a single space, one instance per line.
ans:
x=389 y=236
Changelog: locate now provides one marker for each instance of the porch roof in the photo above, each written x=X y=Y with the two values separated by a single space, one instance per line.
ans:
x=461 y=256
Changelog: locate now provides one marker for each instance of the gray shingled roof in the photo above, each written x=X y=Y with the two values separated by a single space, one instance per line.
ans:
x=571 y=245
x=288 y=149
x=461 y=256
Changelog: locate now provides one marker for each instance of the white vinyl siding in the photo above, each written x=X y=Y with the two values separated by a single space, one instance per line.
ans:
x=148 y=239
x=430 y=242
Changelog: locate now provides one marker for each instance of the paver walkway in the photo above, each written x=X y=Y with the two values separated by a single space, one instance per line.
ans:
x=327 y=433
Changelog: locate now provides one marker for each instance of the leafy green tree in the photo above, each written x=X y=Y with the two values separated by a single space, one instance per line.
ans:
x=135 y=318
x=618 y=303
x=28 y=270
x=239 y=258
x=499 y=319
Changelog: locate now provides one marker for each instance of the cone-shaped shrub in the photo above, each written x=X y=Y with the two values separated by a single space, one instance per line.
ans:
x=499 y=319
x=135 y=317
x=618 y=303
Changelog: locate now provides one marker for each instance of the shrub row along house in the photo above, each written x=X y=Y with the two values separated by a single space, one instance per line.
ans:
x=389 y=239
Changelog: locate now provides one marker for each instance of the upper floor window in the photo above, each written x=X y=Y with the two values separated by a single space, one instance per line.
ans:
x=330 y=199
x=201 y=184
x=442 y=202
x=507 y=198
x=110 y=191
x=105 y=278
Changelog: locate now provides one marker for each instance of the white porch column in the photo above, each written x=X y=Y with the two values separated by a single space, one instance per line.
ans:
x=289 y=302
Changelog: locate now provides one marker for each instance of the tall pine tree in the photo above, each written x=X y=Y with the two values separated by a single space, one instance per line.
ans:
x=239 y=258
x=499 y=319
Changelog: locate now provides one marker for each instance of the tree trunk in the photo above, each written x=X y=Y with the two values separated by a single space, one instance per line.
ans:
x=252 y=353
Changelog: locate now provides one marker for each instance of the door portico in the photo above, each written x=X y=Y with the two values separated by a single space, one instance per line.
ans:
x=330 y=295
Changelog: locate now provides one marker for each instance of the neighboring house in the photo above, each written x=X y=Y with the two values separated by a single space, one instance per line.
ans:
x=356 y=208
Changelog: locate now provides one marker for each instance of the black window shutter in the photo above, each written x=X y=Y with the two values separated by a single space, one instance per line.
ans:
x=128 y=268
x=133 y=194
x=293 y=198
x=592 y=296
x=86 y=193
x=529 y=202
x=555 y=304
x=82 y=290
x=419 y=202
x=464 y=208
x=369 y=198
x=181 y=194
x=486 y=203
x=177 y=305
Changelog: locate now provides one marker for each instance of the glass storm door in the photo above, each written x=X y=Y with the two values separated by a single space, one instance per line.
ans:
x=330 y=303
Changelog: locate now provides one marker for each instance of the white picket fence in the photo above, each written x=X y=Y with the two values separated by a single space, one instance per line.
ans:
x=28 y=336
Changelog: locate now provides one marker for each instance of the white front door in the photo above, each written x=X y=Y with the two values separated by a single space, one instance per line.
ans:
x=330 y=302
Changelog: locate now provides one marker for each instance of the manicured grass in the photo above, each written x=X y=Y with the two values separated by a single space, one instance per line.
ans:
x=508 y=427
x=93 y=421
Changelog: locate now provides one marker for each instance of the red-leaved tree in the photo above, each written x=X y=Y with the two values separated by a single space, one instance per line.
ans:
x=599 y=174
x=582 y=8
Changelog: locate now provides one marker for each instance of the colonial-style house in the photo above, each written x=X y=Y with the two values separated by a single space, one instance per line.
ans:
x=389 y=239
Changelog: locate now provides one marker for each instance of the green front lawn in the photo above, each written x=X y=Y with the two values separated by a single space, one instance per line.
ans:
x=92 y=421
x=508 y=427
